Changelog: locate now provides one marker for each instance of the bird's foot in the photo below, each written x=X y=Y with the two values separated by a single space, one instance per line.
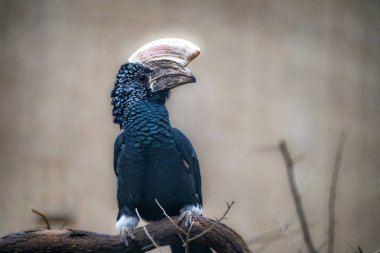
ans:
x=126 y=225
x=187 y=217
x=127 y=235
x=188 y=212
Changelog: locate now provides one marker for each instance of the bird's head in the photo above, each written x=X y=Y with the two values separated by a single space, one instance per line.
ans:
x=150 y=73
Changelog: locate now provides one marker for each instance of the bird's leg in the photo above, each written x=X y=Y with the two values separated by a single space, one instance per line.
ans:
x=126 y=225
x=188 y=212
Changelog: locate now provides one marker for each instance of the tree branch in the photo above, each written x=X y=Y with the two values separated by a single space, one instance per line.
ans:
x=296 y=197
x=221 y=238
x=334 y=183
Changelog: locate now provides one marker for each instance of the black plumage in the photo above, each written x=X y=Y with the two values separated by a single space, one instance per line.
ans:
x=152 y=160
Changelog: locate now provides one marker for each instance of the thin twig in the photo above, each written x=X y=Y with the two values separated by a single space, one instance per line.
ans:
x=167 y=216
x=172 y=221
x=187 y=242
x=216 y=222
x=183 y=240
x=334 y=183
x=147 y=233
x=43 y=216
x=296 y=196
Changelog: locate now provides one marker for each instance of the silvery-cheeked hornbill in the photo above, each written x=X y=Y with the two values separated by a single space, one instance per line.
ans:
x=152 y=160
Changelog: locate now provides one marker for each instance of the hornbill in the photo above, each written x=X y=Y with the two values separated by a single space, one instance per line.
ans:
x=152 y=160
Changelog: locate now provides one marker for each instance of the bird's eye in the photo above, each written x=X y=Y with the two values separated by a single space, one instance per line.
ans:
x=143 y=78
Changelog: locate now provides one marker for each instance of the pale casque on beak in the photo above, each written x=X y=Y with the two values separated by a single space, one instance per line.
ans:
x=167 y=58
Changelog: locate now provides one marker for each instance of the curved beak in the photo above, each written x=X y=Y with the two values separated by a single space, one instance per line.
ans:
x=168 y=74
x=167 y=58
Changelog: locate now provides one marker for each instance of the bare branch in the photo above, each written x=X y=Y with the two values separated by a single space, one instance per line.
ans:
x=43 y=216
x=296 y=196
x=222 y=239
x=334 y=183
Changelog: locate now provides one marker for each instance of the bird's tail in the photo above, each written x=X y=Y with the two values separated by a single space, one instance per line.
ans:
x=193 y=248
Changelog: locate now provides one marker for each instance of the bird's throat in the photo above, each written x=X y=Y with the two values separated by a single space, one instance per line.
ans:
x=147 y=127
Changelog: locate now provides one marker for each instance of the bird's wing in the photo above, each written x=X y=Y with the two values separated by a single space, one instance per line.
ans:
x=119 y=143
x=190 y=157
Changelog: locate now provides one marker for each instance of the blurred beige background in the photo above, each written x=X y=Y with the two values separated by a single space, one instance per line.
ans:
x=302 y=71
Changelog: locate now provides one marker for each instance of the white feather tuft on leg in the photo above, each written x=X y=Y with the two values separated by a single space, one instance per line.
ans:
x=126 y=222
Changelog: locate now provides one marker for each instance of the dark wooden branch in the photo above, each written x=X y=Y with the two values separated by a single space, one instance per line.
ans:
x=334 y=183
x=296 y=197
x=221 y=238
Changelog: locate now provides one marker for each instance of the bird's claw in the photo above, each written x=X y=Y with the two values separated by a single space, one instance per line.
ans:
x=126 y=235
x=187 y=218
